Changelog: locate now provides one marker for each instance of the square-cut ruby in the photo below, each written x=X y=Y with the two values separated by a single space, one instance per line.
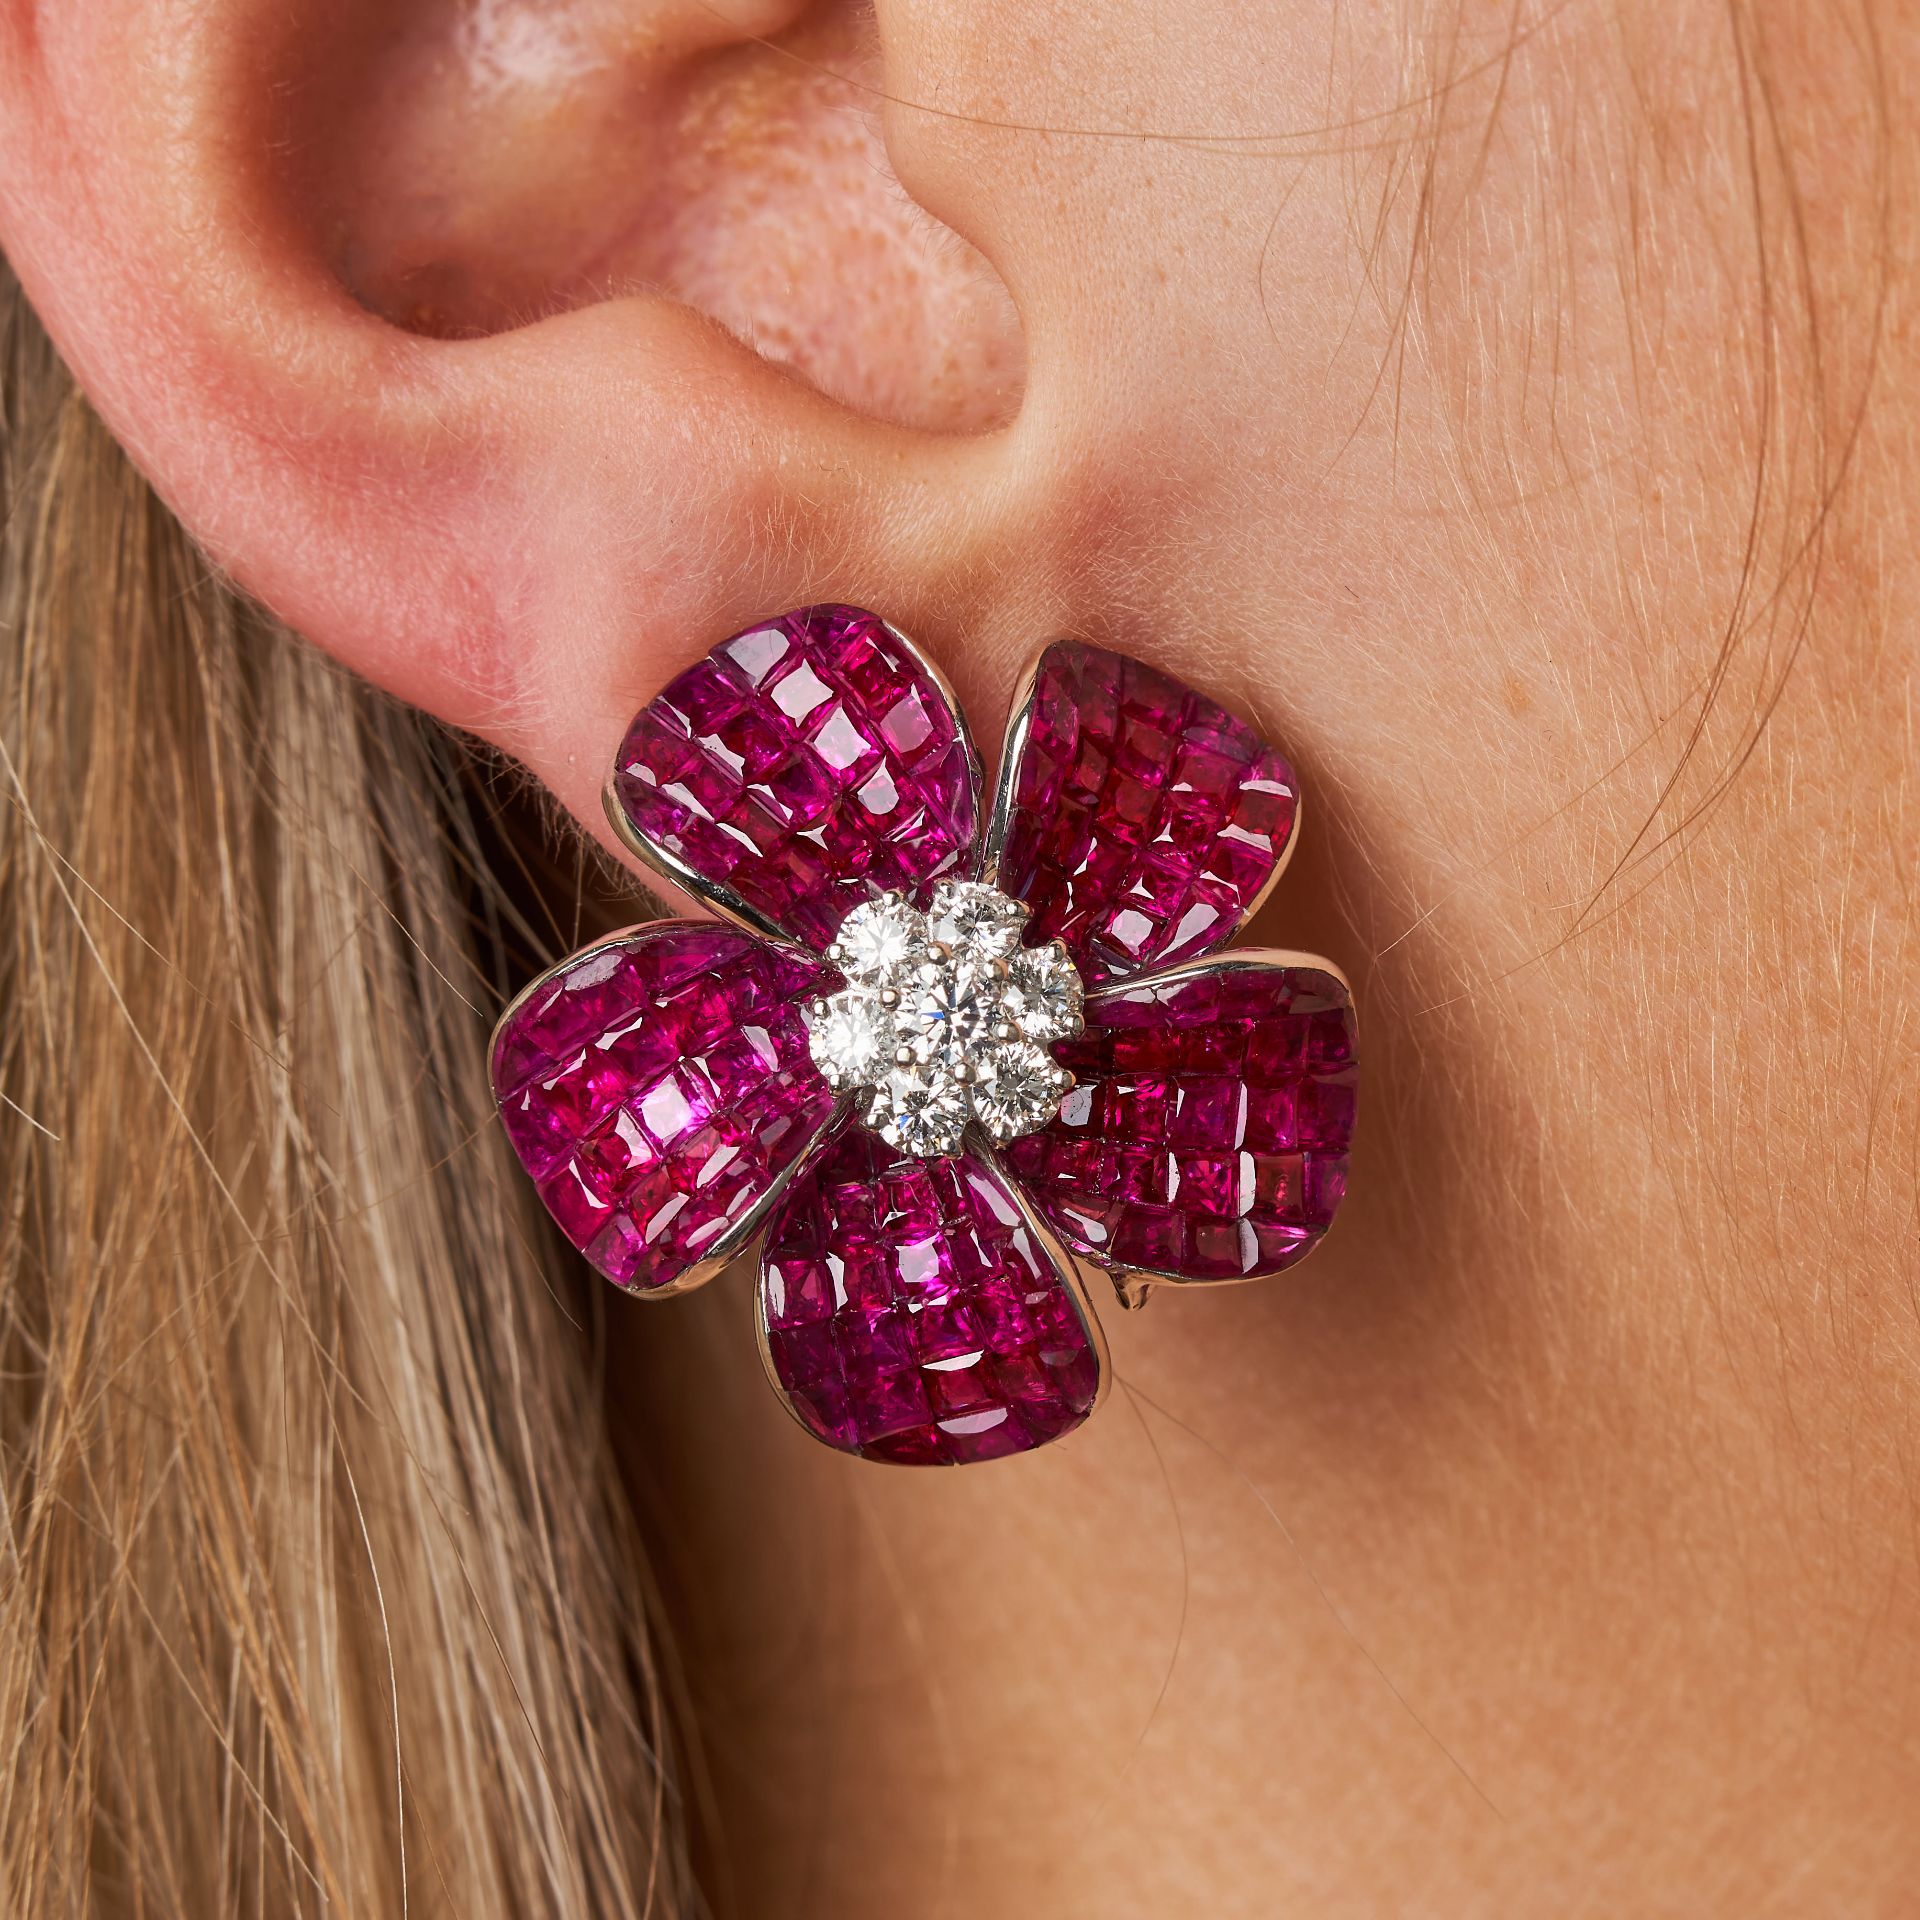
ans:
x=826 y=1410
x=1208 y=1183
x=1144 y=743
x=1281 y=1243
x=796 y=792
x=1272 y=1116
x=1326 y=1111
x=923 y=1446
x=1001 y=1312
x=703 y=700
x=799 y=1290
x=618 y=1251
x=913 y=1200
x=1074 y=1372
x=805 y=1353
x=888 y=1402
x=865 y=1277
x=1209 y=1111
x=611 y=1159
x=1132 y=806
x=572 y=1201
x=1238 y=862
x=1089 y=763
x=947 y=1329
x=988 y=1435
x=1151 y=1237
x=960 y=1386
x=1137 y=1108
x=542 y=1137
x=1325 y=1185
x=873 y=1340
x=1223 y=1246
x=1278 y=1184
x=758 y=653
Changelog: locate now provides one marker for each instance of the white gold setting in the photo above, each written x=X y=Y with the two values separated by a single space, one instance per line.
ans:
x=945 y=1019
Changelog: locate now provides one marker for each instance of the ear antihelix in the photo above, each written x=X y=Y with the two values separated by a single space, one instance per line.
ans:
x=729 y=157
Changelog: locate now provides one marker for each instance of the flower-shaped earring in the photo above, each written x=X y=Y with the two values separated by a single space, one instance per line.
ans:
x=951 y=1068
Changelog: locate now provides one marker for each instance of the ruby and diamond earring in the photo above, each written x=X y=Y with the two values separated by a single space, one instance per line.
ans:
x=950 y=1070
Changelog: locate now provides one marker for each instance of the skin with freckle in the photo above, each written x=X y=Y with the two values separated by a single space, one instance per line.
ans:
x=1514 y=410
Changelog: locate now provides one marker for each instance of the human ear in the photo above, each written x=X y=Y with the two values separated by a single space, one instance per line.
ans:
x=514 y=354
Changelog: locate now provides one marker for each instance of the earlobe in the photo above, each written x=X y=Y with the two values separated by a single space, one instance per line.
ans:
x=524 y=529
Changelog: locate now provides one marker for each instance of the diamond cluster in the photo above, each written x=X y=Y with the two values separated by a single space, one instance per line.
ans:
x=946 y=1019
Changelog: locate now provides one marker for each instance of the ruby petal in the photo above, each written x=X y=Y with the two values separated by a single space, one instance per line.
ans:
x=1143 y=819
x=804 y=765
x=656 y=1088
x=972 y=1346
x=1209 y=1132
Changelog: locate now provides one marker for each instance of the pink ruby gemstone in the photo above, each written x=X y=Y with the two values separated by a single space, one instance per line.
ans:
x=656 y=1088
x=911 y=1314
x=1146 y=818
x=805 y=764
x=1208 y=1133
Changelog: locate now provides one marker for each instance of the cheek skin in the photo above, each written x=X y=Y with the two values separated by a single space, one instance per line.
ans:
x=501 y=165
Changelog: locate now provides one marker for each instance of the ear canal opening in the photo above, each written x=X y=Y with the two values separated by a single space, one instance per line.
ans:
x=465 y=182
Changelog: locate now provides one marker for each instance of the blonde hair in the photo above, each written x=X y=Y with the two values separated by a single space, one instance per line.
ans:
x=321 y=1593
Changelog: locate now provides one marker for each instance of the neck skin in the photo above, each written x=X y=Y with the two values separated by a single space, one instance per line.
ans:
x=1542 y=476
